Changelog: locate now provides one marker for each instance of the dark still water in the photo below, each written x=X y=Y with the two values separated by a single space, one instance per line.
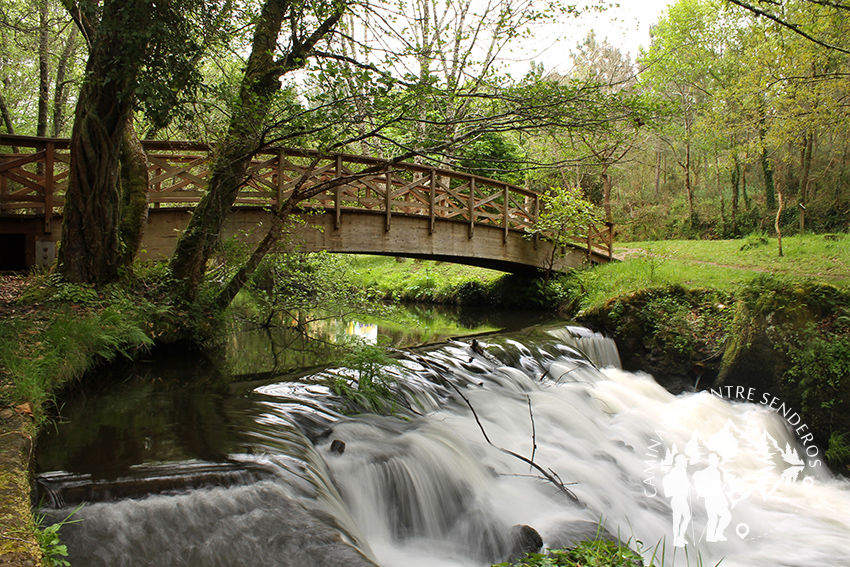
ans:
x=178 y=462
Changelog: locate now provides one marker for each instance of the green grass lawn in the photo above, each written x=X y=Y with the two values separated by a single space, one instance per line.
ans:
x=413 y=279
x=717 y=264
x=808 y=256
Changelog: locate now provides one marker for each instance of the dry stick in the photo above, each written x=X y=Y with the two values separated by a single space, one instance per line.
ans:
x=550 y=475
x=533 y=428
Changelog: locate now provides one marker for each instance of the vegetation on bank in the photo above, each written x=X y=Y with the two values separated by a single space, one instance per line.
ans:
x=591 y=553
x=57 y=331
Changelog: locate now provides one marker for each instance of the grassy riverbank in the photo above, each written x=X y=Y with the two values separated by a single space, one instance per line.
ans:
x=732 y=311
x=722 y=265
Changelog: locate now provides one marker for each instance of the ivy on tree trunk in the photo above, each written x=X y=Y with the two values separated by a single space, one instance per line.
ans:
x=90 y=251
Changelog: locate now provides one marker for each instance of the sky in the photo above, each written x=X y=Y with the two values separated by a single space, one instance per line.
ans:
x=626 y=27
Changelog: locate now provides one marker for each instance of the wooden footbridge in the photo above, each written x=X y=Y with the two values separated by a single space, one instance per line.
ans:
x=405 y=209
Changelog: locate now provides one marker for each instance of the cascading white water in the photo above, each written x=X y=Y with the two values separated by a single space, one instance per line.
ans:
x=426 y=488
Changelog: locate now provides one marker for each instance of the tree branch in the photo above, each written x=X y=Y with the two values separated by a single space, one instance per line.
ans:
x=548 y=475
x=793 y=27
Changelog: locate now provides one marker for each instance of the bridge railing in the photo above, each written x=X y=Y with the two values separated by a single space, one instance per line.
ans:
x=34 y=182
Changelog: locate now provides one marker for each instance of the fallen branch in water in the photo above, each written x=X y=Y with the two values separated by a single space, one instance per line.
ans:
x=533 y=429
x=549 y=475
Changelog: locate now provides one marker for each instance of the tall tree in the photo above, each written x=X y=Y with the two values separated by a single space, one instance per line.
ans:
x=308 y=24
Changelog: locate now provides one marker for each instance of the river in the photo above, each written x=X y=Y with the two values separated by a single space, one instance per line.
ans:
x=178 y=464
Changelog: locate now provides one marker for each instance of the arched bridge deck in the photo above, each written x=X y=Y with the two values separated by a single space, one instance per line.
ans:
x=402 y=209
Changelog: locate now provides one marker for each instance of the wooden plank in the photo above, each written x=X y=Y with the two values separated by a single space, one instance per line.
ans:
x=488 y=200
x=535 y=218
x=431 y=202
x=262 y=184
x=14 y=176
x=280 y=179
x=22 y=161
x=170 y=171
x=338 y=193
x=25 y=198
x=174 y=196
x=471 y=207
x=506 y=221
x=417 y=183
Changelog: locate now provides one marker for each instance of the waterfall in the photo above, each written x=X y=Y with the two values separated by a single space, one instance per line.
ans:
x=425 y=487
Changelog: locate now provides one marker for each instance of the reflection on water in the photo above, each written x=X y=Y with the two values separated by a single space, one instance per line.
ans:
x=288 y=341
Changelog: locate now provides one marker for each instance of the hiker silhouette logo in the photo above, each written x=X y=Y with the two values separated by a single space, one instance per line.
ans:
x=706 y=478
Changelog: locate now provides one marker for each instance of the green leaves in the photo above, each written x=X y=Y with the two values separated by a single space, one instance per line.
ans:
x=53 y=550
x=565 y=214
x=595 y=553
x=370 y=387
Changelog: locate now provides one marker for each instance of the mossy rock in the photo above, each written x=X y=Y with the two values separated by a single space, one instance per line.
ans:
x=674 y=333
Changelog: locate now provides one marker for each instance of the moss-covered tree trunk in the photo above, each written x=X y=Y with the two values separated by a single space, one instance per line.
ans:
x=134 y=193
x=90 y=251
x=245 y=136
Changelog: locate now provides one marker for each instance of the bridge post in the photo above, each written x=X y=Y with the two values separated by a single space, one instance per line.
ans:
x=158 y=185
x=506 y=219
x=388 y=197
x=431 y=199
x=50 y=151
x=281 y=178
x=536 y=217
x=471 y=206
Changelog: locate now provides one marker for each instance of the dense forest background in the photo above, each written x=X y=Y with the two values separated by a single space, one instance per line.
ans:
x=733 y=121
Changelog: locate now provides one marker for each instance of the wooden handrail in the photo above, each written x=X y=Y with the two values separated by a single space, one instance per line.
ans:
x=178 y=173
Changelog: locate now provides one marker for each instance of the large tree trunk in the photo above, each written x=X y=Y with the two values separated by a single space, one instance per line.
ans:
x=90 y=251
x=776 y=224
x=736 y=190
x=805 y=177
x=689 y=190
x=767 y=170
x=658 y=155
x=7 y=119
x=43 y=68
x=606 y=194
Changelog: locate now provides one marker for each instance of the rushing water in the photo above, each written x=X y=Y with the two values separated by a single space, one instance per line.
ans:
x=259 y=483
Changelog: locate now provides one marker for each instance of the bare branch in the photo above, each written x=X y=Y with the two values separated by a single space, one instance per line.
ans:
x=548 y=475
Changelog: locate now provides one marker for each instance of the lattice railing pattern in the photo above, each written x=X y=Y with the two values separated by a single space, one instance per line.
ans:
x=34 y=177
